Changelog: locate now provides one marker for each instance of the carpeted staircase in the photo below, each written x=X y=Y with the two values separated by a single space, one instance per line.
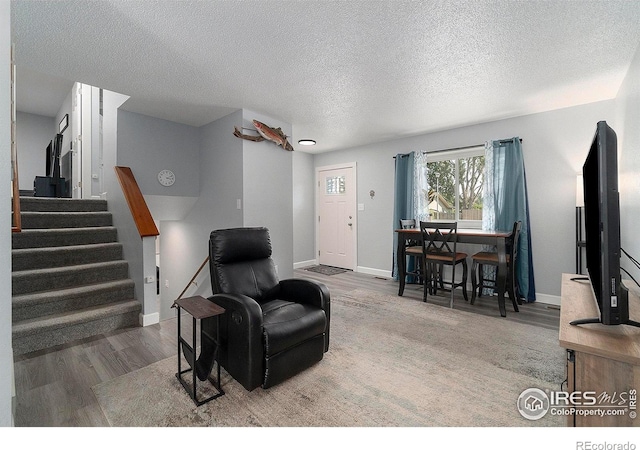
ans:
x=69 y=279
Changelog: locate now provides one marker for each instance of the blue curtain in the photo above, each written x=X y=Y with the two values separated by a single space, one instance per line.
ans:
x=506 y=202
x=403 y=198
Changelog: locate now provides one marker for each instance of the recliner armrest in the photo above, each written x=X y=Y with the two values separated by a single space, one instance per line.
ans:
x=241 y=335
x=248 y=308
x=310 y=292
x=300 y=290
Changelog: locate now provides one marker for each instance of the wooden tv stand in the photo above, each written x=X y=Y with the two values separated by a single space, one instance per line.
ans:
x=600 y=358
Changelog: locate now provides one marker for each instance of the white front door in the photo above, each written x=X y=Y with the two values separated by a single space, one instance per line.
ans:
x=337 y=225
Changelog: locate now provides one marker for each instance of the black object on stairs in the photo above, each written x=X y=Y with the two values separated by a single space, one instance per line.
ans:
x=69 y=278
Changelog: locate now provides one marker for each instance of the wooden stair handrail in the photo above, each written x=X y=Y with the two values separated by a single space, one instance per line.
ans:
x=137 y=205
x=16 y=223
x=193 y=278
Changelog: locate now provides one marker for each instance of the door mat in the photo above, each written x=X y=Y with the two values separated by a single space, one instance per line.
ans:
x=326 y=270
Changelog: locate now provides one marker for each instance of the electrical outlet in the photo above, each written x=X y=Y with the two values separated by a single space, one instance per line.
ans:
x=166 y=283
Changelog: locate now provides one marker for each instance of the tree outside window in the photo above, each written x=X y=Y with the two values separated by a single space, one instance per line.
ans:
x=455 y=186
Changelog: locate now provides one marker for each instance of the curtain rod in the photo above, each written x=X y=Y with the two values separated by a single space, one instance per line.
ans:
x=502 y=141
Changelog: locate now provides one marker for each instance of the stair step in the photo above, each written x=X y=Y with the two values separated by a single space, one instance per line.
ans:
x=65 y=219
x=62 y=237
x=61 y=204
x=49 y=331
x=38 y=304
x=49 y=257
x=27 y=281
x=69 y=279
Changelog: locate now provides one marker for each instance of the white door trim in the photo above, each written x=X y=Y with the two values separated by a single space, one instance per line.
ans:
x=87 y=139
x=349 y=165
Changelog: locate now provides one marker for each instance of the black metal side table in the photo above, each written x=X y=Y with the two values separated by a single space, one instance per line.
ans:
x=199 y=308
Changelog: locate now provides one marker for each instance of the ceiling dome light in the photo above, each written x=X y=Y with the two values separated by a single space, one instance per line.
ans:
x=307 y=142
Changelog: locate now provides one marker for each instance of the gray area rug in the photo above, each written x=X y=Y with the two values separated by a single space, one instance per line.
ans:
x=326 y=270
x=392 y=362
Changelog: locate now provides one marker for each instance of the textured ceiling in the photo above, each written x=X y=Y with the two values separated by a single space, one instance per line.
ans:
x=344 y=73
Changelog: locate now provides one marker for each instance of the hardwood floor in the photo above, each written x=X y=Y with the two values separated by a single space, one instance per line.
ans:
x=53 y=387
x=539 y=314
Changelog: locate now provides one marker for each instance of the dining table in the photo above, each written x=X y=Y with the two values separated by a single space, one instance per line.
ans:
x=465 y=236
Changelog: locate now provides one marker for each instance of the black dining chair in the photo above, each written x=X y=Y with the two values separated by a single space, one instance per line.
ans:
x=439 y=248
x=481 y=259
x=413 y=251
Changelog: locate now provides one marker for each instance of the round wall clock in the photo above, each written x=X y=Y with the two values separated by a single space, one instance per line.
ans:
x=166 y=177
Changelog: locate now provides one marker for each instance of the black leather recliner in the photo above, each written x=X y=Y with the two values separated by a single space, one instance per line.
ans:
x=271 y=329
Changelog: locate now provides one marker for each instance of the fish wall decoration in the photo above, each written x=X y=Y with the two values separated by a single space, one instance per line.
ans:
x=265 y=132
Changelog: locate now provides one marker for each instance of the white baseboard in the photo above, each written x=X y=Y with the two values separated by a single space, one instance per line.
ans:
x=374 y=272
x=302 y=264
x=540 y=298
x=13 y=392
x=149 y=319
x=548 y=299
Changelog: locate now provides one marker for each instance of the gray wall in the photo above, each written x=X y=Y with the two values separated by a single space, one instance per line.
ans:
x=374 y=166
x=628 y=132
x=259 y=175
x=149 y=145
x=267 y=191
x=67 y=135
x=184 y=244
x=128 y=234
x=6 y=351
x=34 y=134
x=555 y=145
x=303 y=209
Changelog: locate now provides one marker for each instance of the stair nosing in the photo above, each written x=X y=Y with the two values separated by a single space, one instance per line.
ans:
x=66 y=247
x=56 y=321
x=51 y=213
x=63 y=230
x=52 y=295
x=48 y=270
x=101 y=204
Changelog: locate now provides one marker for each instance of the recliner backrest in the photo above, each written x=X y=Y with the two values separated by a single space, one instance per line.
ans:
x=240 y=262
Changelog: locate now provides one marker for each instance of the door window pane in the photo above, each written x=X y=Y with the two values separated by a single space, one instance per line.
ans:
x=335 y=185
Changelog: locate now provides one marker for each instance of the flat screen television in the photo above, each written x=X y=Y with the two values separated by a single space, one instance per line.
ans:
x=49 y=158
x=602 y=229
x=55 y=157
